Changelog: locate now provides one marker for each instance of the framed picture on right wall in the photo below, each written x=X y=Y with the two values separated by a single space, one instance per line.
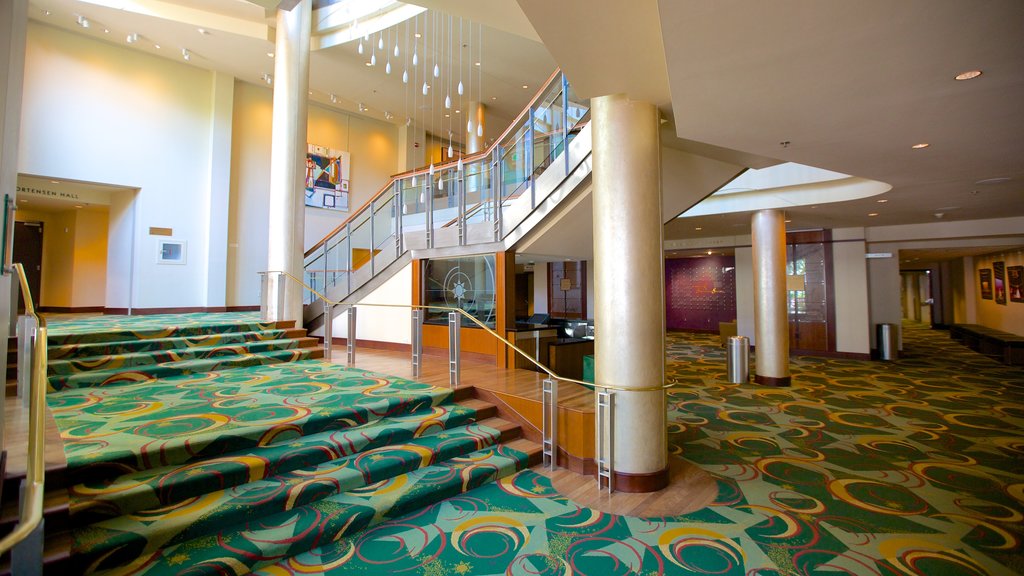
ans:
x=999 y=281
x=985 y=275
x=1015 y=280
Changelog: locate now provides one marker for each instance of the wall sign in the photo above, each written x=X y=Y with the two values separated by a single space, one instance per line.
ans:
x=985 y=277
x=327 y=178
x=1015 y=277
x=999 y=274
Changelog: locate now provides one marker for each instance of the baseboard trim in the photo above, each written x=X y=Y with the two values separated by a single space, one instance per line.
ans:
x=641 y=483
x=178 y=310
x=831 y=354
x=71 y=309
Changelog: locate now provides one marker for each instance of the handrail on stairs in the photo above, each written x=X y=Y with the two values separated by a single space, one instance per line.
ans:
x=27 y=552
x=481 y=189
x=604 y=397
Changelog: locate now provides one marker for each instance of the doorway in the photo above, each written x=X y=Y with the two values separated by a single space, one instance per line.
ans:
x=28 y=250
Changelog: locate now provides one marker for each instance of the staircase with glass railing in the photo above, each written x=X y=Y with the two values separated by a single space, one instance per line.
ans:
x=480 y=203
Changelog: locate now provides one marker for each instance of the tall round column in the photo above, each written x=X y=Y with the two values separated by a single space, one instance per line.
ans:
x=475 y=139
x=629 y=285
x=771 y=324
x=287 y=158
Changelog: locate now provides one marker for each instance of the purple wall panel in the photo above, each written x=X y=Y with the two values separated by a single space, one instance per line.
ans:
x=700 y=292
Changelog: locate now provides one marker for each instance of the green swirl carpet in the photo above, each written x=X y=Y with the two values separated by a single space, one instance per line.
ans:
x=909 y=467
x=185 y=459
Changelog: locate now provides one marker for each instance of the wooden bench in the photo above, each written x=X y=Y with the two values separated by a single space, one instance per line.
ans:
x=1004 y=346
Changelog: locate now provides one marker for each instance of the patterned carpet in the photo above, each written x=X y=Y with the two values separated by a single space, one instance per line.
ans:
x=909 y=467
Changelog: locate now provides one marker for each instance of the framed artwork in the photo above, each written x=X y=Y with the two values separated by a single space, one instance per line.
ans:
x=1015 y=281
x=170 y=251
x=999 y=281
x=985 y=275
x=327 y=178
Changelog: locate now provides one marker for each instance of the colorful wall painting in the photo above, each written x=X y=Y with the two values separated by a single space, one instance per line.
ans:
x=327 y=178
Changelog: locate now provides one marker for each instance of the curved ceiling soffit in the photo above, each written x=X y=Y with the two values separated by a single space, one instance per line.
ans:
x=842 y=190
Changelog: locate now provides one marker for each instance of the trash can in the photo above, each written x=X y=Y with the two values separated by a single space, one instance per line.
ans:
x=737 y=359
x=885 y=340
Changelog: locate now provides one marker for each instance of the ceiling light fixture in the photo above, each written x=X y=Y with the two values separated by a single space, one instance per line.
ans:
x=82 y=21
x=882 y=200
x=872 y=213
x=106 y=30
x=268 y=78
x=270 y=54
x=362 y=107
x=388 y=115
x=203 y=31
x=334 y=99
x=968 y=75
x=186 y=54
x=920 y=145
x=525 y=86
x=698 y=228
x=157 y=46
x=132 y=38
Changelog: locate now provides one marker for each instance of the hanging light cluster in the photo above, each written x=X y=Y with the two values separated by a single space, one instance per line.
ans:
x=441 y=57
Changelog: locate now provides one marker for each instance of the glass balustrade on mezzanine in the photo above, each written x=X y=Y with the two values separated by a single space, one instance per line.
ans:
x=475 y=200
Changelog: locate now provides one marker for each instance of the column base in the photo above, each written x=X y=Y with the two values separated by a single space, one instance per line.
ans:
x=640 y=483
x=780 y=382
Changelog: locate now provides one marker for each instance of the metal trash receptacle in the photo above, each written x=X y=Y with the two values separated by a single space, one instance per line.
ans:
x=737 y=359
x=885 y=340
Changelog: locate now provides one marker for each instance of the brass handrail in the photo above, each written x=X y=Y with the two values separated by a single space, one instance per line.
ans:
x=472 y=318
x=31 y=513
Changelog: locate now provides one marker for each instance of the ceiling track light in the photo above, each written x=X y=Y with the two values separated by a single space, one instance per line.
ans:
x=362 y=107
x=132 y=38
x=334 y=98
x=267 y=78
x=186 y=54
x=82 y=21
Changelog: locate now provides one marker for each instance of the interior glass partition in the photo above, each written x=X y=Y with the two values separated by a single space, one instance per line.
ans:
x=467 y=283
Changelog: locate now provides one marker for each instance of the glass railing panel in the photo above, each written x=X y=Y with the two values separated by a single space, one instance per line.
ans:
x=360 y=248
x=446 y=208
x=337 y=261
x=384 y=230
x=315 y=275
x=515 y=171
x=479 y=192
x=576 y=110
x=548 y=125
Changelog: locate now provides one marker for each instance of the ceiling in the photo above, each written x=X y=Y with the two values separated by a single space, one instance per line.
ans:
x=845 y=86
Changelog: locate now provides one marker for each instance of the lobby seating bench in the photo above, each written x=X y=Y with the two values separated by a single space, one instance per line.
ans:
x=1004 y=346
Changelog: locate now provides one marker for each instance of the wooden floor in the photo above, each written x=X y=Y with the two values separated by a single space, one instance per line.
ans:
x=690 y=489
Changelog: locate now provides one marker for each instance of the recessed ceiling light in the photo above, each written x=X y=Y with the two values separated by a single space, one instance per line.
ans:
x=968 y=75
x=882 y=200
x=476 y=63
x=106 y=30
x=186 y=54
x=203 y=31
x=157 y=46
x=82 y=21
x=447 y=115
x=46 y=12
x=368 y=63
x=709 y=252
x=54 y=181
x=494 y=97
x=418 y=35
x=270 y=54
x=872 y=213
x=458 y=111
x=525 y=86
x=78 y=205
x=698 y=228
x=788 y=221
x=310 y=92
x=920 y=145
x=132 y=38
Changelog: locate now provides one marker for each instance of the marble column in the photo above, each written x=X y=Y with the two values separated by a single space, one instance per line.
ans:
x=288 y=160
x=771 y=323
x=629 y=285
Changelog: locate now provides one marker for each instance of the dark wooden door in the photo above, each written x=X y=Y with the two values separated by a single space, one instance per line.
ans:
x=28 y=250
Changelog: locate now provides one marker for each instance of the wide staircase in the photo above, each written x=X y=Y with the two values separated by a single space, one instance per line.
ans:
x=224 y=446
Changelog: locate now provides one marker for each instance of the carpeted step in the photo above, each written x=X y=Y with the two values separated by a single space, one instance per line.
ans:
x=250 y=545
x=149 y=358
x=156 y=528
x=178 y=368
x=85 y=350
x=115 y=430
x=61 y=335
x=95 y=501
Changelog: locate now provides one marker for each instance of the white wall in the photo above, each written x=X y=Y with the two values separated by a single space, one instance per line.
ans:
x=850 y=273
x=99 y=113
x=373 y=149
x=745 y=293
x=382 y=324
x=540 y=288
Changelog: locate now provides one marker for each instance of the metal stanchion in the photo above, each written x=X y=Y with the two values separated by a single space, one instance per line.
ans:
x=351 y=340
x=417 y=341
x=454 y=346
x=605 y=425
x=328 y=329
x=549 y=423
